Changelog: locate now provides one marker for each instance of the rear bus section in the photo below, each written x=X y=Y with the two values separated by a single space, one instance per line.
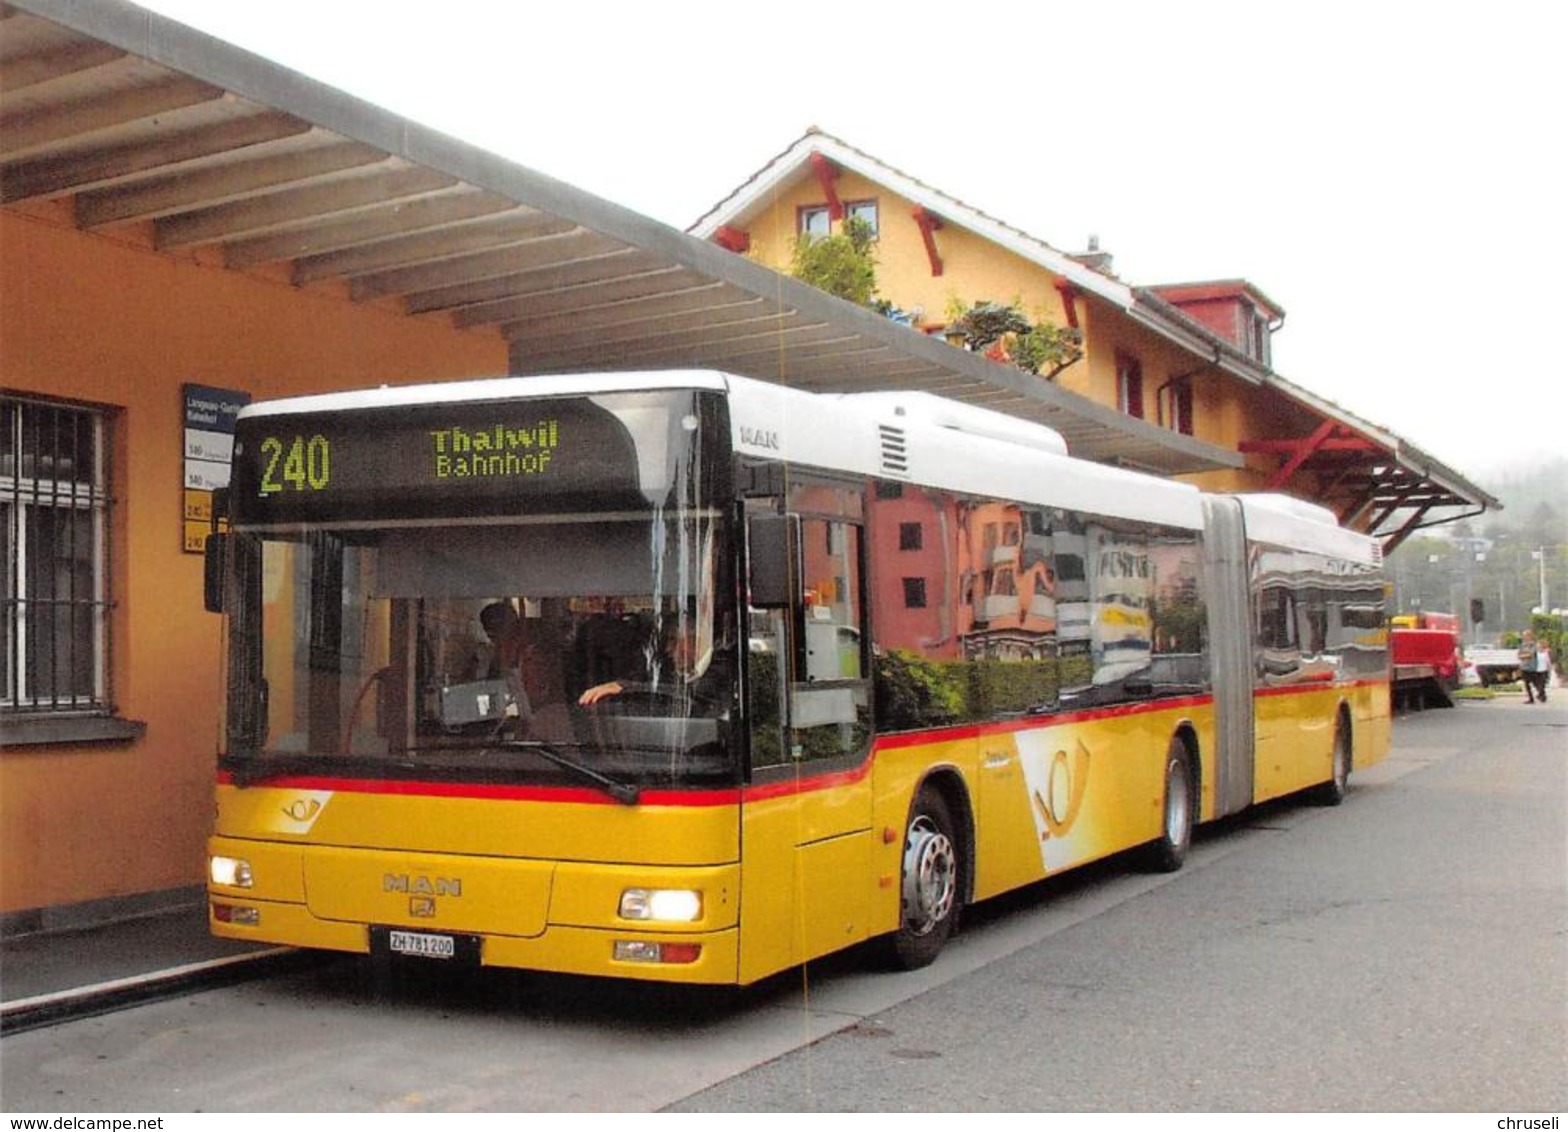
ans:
x=1320 y=655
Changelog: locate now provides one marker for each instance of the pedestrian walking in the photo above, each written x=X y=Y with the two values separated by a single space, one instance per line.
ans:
x=1528 y=656
x=1535 y=667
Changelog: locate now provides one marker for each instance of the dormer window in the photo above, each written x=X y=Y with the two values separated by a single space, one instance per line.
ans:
x=1232 y=309
x=1255 y=333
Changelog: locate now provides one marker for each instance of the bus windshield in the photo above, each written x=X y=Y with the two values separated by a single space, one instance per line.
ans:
x=590 y=647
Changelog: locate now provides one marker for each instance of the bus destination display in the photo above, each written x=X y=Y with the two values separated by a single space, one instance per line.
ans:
x=301 y=463
x=424 y=462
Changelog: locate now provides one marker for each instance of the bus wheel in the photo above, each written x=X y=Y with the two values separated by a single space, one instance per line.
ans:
x=928 y=894
x=1332 y=792
x=1170 y=849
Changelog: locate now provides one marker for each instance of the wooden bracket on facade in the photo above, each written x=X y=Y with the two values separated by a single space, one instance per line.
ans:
x=1353 y=512
x=1069 y=295
x=1298 y=452
x=1300 y=456
x=736 y=240
x=929 y=223
x=1412 y=525
x=827 y=173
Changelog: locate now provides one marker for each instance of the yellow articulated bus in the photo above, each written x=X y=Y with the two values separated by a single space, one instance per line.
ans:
x=688 y=677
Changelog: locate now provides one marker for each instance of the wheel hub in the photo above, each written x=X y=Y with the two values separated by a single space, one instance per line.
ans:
x=930 y=877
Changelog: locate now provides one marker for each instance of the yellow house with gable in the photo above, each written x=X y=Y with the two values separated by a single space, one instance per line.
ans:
x=1193 y=358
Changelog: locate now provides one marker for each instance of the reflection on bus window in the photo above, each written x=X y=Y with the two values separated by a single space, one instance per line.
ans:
x=1040 y=609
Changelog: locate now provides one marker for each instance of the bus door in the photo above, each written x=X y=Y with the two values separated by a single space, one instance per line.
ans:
x=805 y=826
x=1230 y=653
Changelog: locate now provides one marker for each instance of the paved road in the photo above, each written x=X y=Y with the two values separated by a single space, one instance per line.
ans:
x=1405 y=951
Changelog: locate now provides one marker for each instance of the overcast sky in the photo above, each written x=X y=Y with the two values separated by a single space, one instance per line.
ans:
x=1389 y=173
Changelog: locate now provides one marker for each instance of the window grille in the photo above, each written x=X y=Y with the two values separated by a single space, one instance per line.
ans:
x=54 y=558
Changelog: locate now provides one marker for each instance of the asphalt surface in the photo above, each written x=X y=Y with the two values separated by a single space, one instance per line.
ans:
x=1405 y=951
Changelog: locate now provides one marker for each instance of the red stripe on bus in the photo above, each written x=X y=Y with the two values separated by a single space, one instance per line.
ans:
x=411 y=788
x=728 y=795
x=809 y=783
x=1317 y=687
x=1012 y=726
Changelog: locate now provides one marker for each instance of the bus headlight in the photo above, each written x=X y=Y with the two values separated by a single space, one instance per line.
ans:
x=672 y=905
x=231 y=872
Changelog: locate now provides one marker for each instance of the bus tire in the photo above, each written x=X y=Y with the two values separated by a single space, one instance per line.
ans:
x=929 y=883
x=1169 y=851
x=1332 y=792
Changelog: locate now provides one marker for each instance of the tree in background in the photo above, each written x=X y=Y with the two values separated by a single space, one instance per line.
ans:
x=1003 y=334
x=1502 y=564
x=842 y=264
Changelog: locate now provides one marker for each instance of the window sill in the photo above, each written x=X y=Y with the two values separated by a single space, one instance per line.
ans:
x=44 y=730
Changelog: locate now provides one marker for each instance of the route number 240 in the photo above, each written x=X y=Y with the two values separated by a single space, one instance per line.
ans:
x=295 y=464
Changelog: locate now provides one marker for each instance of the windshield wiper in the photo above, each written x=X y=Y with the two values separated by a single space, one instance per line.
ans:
x=622 y=792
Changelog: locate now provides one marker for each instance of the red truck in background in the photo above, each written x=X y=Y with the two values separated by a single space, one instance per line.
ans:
x=1427 y=659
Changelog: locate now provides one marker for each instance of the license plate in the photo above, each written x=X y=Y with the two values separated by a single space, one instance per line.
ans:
x=422 y=944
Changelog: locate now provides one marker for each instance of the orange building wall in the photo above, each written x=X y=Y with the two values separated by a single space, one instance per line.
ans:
x=106 y=322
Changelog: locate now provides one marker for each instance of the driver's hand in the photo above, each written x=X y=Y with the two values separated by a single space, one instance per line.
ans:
x=600 y=692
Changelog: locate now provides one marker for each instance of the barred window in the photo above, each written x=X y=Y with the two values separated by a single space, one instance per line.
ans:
x=54 y=558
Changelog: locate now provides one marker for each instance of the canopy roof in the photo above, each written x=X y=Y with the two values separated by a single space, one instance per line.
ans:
x=142 y=124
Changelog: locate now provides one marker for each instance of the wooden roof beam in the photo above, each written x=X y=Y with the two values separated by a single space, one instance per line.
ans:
x=826 y=173
x=443 y=224
x=929 y=224
x=46 y=66
x=298 y=208
x=54 y=175
x=1412 y=525
x=732 y=239
x=222 y=184
x=23 y=131
x=553 y=251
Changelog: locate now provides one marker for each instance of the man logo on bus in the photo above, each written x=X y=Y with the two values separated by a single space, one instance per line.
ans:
x=416 y=885
x=760 y=438
x=1065 y=784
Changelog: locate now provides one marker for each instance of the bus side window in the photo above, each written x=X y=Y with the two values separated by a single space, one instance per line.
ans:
x=1278 y=646
x=829 y=704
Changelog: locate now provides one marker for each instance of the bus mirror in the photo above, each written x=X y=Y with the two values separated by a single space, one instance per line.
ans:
x=770 y=546
x=1477 y=611
x=215 y=557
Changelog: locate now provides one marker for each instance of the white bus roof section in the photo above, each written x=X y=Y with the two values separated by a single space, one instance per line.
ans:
x=940 y=412
x=869 y=436
x=907 y=437
x=140 y=124
x=1283 y=521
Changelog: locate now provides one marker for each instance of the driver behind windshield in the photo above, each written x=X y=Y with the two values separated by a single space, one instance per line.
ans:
x=683 y=669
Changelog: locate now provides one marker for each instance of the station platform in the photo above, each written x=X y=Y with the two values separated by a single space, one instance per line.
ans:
x=48 y=974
